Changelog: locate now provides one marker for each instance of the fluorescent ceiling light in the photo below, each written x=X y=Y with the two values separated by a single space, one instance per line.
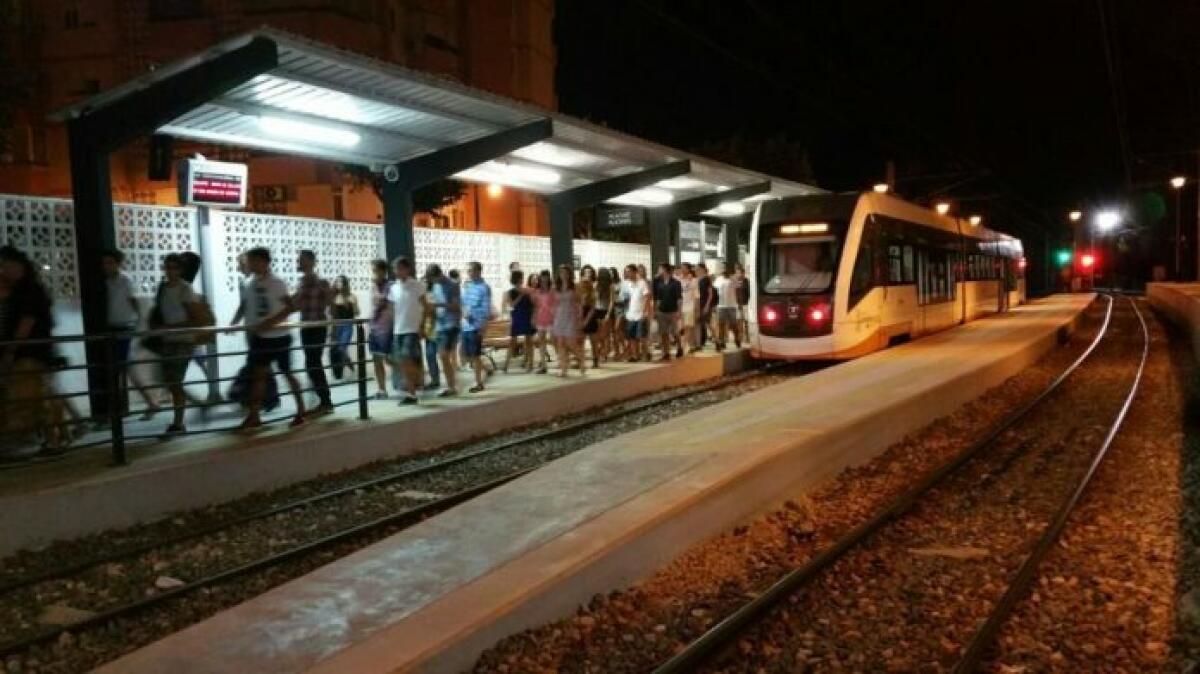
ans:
x=647 y=196
x=513 y=175
x=731 y=208
x=314 y=133
x=765 y=196
x=546 y=153
x=681 y=183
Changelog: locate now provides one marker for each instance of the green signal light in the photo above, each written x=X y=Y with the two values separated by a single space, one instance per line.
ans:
x=1063 y=257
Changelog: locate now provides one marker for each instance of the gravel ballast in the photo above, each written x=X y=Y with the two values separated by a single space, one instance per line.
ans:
x=901 y=605
x=26 y=611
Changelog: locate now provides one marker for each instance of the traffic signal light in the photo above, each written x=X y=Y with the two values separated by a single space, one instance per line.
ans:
x=1063 y=256
x=1087 y=261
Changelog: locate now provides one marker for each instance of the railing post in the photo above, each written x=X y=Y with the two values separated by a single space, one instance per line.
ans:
x=361 y=357
x=116 y=398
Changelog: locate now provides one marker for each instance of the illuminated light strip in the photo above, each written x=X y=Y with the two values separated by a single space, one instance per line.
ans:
x=315 y=133
x=807 y=228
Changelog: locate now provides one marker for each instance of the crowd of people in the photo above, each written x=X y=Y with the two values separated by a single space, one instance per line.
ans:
x=421 y=330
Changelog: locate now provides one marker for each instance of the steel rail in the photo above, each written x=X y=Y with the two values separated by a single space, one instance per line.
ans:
x=983 y=638
x=717 y=637
x=407 y=473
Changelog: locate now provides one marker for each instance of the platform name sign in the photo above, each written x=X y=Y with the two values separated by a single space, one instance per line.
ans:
x=621 y=217
x=203 y=182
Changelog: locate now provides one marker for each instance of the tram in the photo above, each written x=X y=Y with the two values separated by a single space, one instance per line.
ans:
x=838 y=276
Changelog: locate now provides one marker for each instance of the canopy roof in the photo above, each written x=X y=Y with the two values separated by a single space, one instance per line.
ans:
x=331 y=104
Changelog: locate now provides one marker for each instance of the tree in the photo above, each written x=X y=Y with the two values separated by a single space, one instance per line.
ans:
x=427 y=199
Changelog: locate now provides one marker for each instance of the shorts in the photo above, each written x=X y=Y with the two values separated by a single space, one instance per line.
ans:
x=380 y=343
x=741 y=312
x=593 y=324
x=447 y=339
x=407 y=347
x=637 y=329
x=176 y=356
x=727 y=314
x=472 y=343
x=667 y=325
x=265 y=351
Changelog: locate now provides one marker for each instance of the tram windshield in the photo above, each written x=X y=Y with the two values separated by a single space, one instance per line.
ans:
x=798 y=264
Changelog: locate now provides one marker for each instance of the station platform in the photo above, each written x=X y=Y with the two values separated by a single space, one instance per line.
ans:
x=431 y=598
x=1179 y=303
x=83 y=493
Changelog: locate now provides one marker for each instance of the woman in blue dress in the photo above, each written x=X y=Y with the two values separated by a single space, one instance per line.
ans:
x=520 y=309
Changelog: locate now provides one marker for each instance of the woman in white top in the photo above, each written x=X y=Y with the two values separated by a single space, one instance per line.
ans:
x=687 y=305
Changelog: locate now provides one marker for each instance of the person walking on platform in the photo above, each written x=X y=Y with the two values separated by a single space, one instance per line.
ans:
x=312 y=299
x=407 y=296
x=429 y=334
x=448 y=305
x=601 y=316
x=24 y=358
x=518 y=302
x=726 y=289
x=343 y=308
x=704 y=305
x=543 y=317
x=566 y=321
x=636 y=315
x=380 y=327
x=124 y=315
x=267 y=303
x=667 y=294
x=477 y=311
x=687 y=306
x=742 y=285
x=175 y=305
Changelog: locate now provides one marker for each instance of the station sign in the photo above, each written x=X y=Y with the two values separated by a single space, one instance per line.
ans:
x=690 y=236
x=203 y=182
x=620 y=217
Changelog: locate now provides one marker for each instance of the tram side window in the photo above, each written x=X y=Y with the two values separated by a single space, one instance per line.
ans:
x=899 y=264
x=862 y=276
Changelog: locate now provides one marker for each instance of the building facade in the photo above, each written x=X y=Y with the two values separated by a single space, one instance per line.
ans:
x=57 y=52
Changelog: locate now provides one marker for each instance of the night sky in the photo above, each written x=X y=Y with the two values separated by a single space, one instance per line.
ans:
x=1008 y=107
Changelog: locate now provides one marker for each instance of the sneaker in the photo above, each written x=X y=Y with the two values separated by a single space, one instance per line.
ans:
x=173 y=430
x=475 y=389
x=448 y=393
x=409 y=400
x=297 y=421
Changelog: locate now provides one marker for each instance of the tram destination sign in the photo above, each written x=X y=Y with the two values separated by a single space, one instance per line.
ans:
x=212 y=183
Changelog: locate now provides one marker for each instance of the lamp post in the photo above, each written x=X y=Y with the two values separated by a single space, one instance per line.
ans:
x=1106 y=221
x=1177 y=184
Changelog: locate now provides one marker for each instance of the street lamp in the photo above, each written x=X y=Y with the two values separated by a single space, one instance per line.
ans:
x=1177 y=184
x=1106 y=221
x=942 y=208
x=1075 y=216
x=975 y=220
x=881 y=188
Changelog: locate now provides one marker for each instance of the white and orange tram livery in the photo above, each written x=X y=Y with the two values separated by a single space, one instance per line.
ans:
x=837 y=276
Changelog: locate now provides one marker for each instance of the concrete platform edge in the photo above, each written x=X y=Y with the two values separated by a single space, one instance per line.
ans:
x=126 y=496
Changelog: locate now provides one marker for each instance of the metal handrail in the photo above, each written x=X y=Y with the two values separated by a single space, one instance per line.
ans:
x=115 y=370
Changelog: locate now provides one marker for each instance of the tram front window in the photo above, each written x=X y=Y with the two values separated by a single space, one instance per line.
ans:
x=798 y=265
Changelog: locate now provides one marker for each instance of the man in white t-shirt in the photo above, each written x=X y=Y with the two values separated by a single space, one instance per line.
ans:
x=266 y=303
x=727 y=307
x=124 y=315
x=409 y=307
x=636 y=321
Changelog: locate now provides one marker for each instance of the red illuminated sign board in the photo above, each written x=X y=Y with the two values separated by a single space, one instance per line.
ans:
x=212 y=183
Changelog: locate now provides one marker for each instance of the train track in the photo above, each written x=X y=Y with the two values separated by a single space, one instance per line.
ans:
x=720 y=637
x=369 y=529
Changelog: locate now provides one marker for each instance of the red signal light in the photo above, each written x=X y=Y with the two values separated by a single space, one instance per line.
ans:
x=1087 y=260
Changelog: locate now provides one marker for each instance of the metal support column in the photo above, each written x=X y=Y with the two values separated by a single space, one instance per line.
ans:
x=95 y=231
x=398 y=237
x=664 y=220
x=734 y=226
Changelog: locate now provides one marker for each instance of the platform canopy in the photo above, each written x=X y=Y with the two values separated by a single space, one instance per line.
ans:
x=322 y=102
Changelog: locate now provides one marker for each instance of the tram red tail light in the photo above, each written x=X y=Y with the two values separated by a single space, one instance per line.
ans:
x=770 y=315
x=817 y=314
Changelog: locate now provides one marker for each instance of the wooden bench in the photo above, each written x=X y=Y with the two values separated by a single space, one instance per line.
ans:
x=495 y=337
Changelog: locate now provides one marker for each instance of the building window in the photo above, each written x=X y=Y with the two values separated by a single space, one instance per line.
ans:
x=175 y=10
